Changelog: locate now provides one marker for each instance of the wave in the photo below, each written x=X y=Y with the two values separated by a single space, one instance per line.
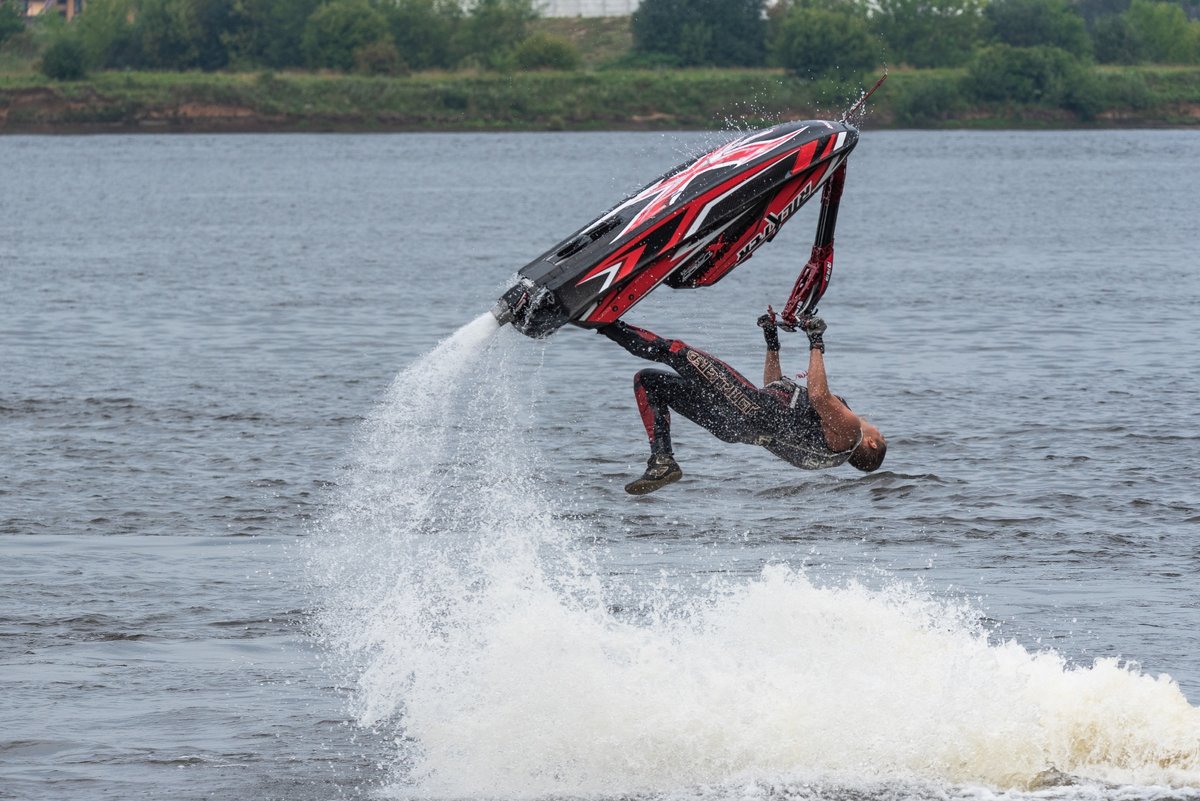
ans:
x=480 y=631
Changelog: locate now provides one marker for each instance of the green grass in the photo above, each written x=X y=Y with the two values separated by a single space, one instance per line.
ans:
x=580 y=100
x=601 y=95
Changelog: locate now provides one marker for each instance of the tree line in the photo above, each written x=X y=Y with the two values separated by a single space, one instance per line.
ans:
x=815 y=37
x=1023 y=39
x=372 y=36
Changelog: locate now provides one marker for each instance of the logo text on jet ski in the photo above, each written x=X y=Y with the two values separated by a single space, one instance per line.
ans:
x=774 y=221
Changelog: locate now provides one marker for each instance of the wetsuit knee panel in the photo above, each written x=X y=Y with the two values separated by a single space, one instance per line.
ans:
x=657 y=382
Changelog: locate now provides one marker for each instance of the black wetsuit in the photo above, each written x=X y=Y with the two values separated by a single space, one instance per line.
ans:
x=713 y=395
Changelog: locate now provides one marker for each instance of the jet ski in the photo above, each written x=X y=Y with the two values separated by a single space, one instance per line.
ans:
x=689 y=229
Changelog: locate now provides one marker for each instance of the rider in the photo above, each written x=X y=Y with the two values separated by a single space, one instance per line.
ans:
x=809 y=427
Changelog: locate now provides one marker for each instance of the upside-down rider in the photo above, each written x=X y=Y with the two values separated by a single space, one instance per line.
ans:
x=809 y=427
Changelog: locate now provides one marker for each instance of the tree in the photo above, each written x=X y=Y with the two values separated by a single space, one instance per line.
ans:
x=268 y=32
x=214 y=19
x=1030 y=23
x=930 y=33
x=701 y=32
x=167 y=33
x=492 y=29
x=1115 y=42
x=11 y=21
x=1093 y=11
x=424 y=30
x=1163 y=32
x=108 y=35
x=337 y=29
x=816 y=42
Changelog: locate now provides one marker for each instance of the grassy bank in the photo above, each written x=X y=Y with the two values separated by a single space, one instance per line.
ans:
x=583 y=100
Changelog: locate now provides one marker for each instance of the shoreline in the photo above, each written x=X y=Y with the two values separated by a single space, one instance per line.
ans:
x=266 y=102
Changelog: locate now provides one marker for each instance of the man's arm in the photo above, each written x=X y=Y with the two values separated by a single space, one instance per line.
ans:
x=838 y=424
x=771 y=369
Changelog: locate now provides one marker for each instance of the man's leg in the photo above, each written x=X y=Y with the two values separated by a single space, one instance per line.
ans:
x=654 y=390
x=642 y=343
x=659 y=392
x=711 y=379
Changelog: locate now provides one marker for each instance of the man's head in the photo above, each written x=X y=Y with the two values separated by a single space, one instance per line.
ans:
x=870 y=452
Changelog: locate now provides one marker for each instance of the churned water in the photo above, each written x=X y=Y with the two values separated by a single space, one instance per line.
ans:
x=243 y=558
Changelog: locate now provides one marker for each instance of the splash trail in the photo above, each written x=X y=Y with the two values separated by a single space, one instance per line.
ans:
x=478 y=629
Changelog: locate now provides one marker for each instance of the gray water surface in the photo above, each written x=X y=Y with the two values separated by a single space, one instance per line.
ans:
x=193 y=328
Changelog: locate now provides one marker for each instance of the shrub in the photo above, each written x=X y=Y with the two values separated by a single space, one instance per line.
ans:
x=545 y=51
x=455 y=99
x=64 y=60
x=1084 y=94
x=821 y=42
x=1126 y=90
x=1020 y=74
x=634 y=60
x=378 y=58
x=1041 y=75
x=930 y=100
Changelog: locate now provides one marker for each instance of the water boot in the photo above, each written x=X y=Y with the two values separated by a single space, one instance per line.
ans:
x=661 y=470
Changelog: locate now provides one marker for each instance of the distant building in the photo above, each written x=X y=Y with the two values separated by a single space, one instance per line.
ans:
x=586 y=8
x=548 y=8
x=68 y=8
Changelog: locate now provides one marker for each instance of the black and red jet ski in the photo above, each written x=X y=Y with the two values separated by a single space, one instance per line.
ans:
x=689 y=229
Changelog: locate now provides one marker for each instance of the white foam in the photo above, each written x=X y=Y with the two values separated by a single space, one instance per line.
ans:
x=477 y=631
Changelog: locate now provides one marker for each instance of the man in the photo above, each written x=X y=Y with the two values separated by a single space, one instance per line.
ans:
x=811 y=428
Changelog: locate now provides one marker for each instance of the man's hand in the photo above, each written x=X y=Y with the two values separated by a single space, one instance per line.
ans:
x=767 y=323
x=814 y=327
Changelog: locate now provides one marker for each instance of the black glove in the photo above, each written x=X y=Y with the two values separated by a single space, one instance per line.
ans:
x=815 y=328
x=767 y=323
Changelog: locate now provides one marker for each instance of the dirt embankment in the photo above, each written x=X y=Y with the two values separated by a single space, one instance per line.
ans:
x=47 y=110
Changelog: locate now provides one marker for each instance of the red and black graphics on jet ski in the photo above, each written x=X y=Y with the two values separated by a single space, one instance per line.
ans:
x=671 y=188
x=687 y=229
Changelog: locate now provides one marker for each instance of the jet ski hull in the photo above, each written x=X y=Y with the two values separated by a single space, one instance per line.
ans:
x=688 y=229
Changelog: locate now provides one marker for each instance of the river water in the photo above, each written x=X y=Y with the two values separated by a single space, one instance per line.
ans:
x=279 y=521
